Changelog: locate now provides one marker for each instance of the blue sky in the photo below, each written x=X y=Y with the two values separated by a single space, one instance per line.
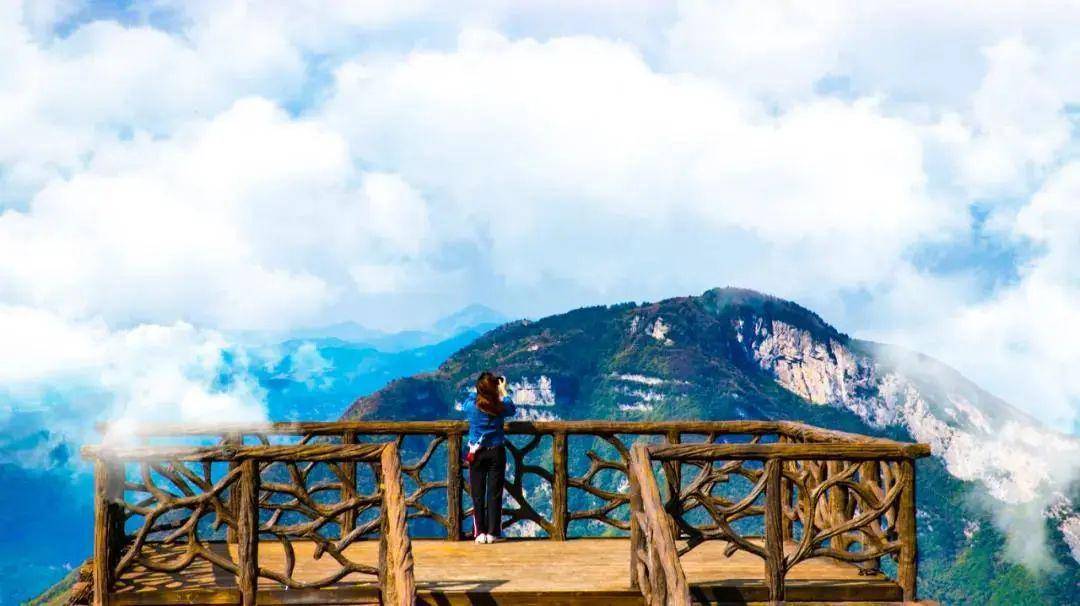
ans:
x=174 y=172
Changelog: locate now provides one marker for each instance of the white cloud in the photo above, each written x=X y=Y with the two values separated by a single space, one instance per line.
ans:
x=62 y=102
x=396 y=213
x=1019 y=127
x=579 y=141
x=1029 y=335
x=39 y=346
x=308 y=366
x=40 y=17
x=247 y=220
x=147 y=373
x=923 y=54
x=314 y=26
x=771 y=49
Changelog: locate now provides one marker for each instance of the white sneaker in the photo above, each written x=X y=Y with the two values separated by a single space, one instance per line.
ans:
x=481 y=538
x=493 y=539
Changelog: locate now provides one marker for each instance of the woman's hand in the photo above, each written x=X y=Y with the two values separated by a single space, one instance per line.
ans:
x=504 y=390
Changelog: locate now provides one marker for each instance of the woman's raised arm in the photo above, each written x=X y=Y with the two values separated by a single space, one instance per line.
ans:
x=510 y=410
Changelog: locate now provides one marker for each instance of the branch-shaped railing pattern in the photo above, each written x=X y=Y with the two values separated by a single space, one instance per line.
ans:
x=850 y=500
x=178 y=503
x=566 y=478
x=781 y=491
x=289 y=492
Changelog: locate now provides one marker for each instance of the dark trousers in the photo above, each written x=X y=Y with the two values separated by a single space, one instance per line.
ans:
x=486 y=487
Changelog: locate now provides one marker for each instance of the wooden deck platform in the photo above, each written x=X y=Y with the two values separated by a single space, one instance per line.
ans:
x=521 y=572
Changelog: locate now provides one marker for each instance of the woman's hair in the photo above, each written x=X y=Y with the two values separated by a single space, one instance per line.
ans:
x=488 y=398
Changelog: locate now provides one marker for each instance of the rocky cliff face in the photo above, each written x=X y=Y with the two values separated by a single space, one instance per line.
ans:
x=977 y=436
x=823 y=372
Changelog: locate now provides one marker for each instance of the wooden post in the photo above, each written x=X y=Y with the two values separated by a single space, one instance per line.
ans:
x=559 y=474
x=667 y=580
x=819 y=520
x=637 y=537
x=453 y=486
x=907 y=562
x=787 y=500
x=838 y=506
x=787 y=495
x=233 y=499
x=774 y=534
x=395 y=549
x=247 y=518
x=108 y=488
x=348 y=488
x=673 y=474
x=870 y=477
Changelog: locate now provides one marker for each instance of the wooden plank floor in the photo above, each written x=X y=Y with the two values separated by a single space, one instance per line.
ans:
x=579 y=571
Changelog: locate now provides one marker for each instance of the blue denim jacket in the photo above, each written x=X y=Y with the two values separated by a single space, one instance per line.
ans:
x=485 y=429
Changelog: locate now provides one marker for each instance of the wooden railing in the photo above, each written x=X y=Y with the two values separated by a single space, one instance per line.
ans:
x=164 y=509
x=850 y=498
x=757 y=485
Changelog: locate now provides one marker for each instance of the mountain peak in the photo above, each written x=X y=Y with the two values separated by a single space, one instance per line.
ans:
x=701 y=347
x=471 y=316
x=736 y=294
x=717 y=299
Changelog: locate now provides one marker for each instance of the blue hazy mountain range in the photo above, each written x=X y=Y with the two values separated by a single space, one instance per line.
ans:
x=474 y=318
x=317 y=374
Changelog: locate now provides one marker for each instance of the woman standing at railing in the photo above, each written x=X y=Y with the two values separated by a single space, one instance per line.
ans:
x=485 y=410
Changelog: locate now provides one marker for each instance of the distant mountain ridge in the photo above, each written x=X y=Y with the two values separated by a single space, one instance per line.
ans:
x=738 y=354
x=467 y=318
x=474 y=319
